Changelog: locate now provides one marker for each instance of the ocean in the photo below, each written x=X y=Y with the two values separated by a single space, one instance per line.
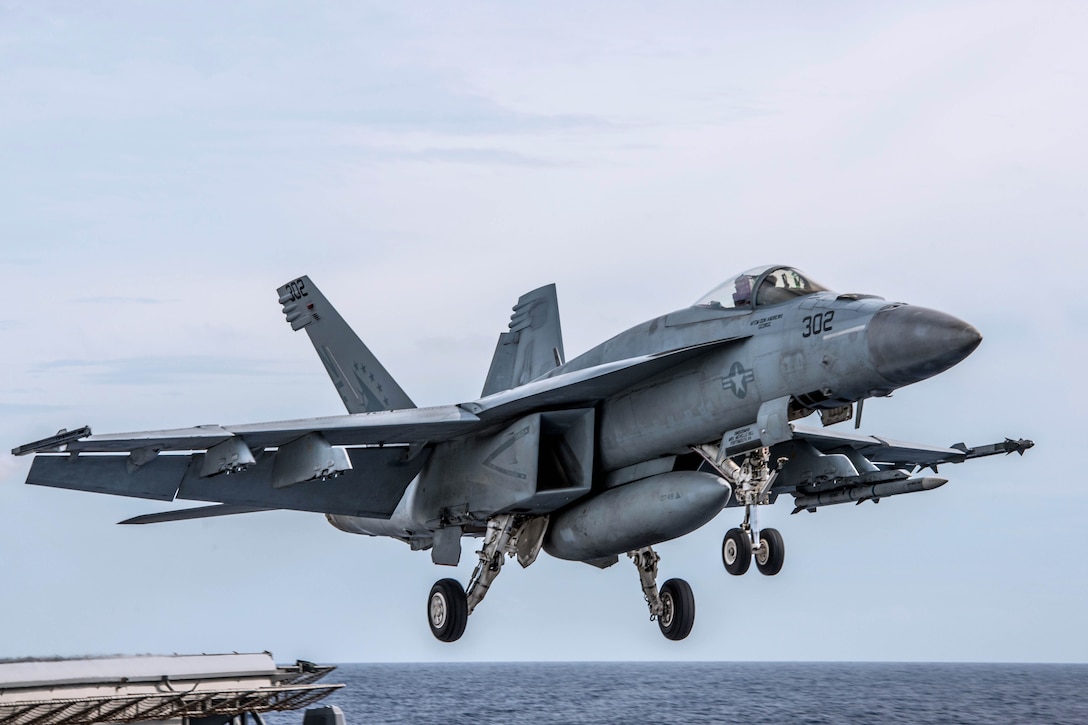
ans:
x=706 y=692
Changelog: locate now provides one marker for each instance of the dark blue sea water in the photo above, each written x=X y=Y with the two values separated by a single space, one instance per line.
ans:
x=707 y=692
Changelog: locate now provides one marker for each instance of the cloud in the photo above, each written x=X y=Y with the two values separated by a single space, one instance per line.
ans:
x=155 y=370
x=113 y=300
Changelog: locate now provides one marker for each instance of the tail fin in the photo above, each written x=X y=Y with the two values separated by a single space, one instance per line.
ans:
x=533 y=346
x=363 y=384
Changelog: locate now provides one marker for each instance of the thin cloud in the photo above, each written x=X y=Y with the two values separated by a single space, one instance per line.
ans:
x=154 y=370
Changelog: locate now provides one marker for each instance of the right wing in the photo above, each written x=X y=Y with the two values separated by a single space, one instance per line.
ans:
x=354 y=465
x=308 y=470
x=371 y=484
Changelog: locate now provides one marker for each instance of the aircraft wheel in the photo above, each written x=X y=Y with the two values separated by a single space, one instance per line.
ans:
x=772 y=553
x=736 y=551
x=679 y=614
x=447 y=610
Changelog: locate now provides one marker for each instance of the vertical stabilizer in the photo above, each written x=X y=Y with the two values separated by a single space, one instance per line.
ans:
x=532 y=347
x=363 y=384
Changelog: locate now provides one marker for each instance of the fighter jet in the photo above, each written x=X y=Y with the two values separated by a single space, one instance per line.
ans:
x=642 y=439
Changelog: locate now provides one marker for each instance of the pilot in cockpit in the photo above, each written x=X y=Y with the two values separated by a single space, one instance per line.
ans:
x=742 y=297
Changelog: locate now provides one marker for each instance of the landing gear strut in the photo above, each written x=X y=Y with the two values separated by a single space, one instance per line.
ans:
x=752 y=479
x=674 y=606
x=448 y=605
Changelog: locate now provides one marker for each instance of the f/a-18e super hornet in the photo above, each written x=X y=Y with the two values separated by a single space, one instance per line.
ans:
x=640 y=440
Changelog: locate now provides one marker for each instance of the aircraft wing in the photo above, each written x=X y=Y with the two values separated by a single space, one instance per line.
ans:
x=309 y=471
x=888 y=453
x=823 y=467
x=411 y=425
x=354 y=465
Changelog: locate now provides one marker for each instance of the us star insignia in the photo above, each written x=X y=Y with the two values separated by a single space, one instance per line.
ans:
x=737 y=380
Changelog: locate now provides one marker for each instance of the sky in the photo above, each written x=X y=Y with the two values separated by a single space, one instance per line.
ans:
x=165 y=167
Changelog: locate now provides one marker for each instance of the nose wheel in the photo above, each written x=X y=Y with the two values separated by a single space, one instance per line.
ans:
x=738 y=550
x=771 y=552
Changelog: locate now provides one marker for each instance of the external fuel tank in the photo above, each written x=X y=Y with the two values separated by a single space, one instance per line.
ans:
x=635 y=515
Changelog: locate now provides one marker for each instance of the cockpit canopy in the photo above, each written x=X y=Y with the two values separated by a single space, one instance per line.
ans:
x=761 y=286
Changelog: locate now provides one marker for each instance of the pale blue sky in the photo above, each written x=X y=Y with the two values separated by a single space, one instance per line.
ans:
x=165 y=168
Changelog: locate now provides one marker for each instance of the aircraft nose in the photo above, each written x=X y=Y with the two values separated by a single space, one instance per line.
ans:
x=908 y=344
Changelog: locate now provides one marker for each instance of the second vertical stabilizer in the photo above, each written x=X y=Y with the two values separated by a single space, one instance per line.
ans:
x=532 y=347
x=362 y=382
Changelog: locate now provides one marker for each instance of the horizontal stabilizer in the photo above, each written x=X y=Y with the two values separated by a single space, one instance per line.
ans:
x=200 y=512
x=362 y=382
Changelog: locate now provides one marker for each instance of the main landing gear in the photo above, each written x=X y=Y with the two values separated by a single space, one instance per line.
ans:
x=752 y=479
x=674 y=606
x=449 y=605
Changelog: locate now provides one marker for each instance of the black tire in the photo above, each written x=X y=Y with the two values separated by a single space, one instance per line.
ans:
x=736 y=551
x=772 y=553
x=679 y=615
x=447 y=610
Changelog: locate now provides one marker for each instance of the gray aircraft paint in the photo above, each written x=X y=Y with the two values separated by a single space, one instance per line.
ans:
x=621 y=448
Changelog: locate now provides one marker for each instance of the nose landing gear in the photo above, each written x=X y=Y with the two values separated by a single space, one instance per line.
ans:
x=738 y=550
x=752 y=479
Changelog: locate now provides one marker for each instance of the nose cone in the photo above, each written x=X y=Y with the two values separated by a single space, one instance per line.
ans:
x=908 y=344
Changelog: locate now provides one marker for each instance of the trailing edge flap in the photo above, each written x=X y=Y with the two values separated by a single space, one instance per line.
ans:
x=532 y=347
x=362 y=382
x=200 y=512
x=372 y=488
x=588 y=385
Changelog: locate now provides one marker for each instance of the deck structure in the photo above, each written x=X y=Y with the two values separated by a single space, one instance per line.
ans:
x=173 y=690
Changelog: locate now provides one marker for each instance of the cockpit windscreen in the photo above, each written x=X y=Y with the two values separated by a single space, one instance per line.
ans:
x=762 y=286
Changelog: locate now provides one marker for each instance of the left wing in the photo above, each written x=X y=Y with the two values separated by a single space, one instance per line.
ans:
x=827 y=467
x=897 y=454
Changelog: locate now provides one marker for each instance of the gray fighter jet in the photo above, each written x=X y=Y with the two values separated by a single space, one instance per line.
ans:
x=640 y=440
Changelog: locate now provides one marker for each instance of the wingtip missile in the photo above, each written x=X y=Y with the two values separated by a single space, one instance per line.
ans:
x=1019 y=446
x=54 y=443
